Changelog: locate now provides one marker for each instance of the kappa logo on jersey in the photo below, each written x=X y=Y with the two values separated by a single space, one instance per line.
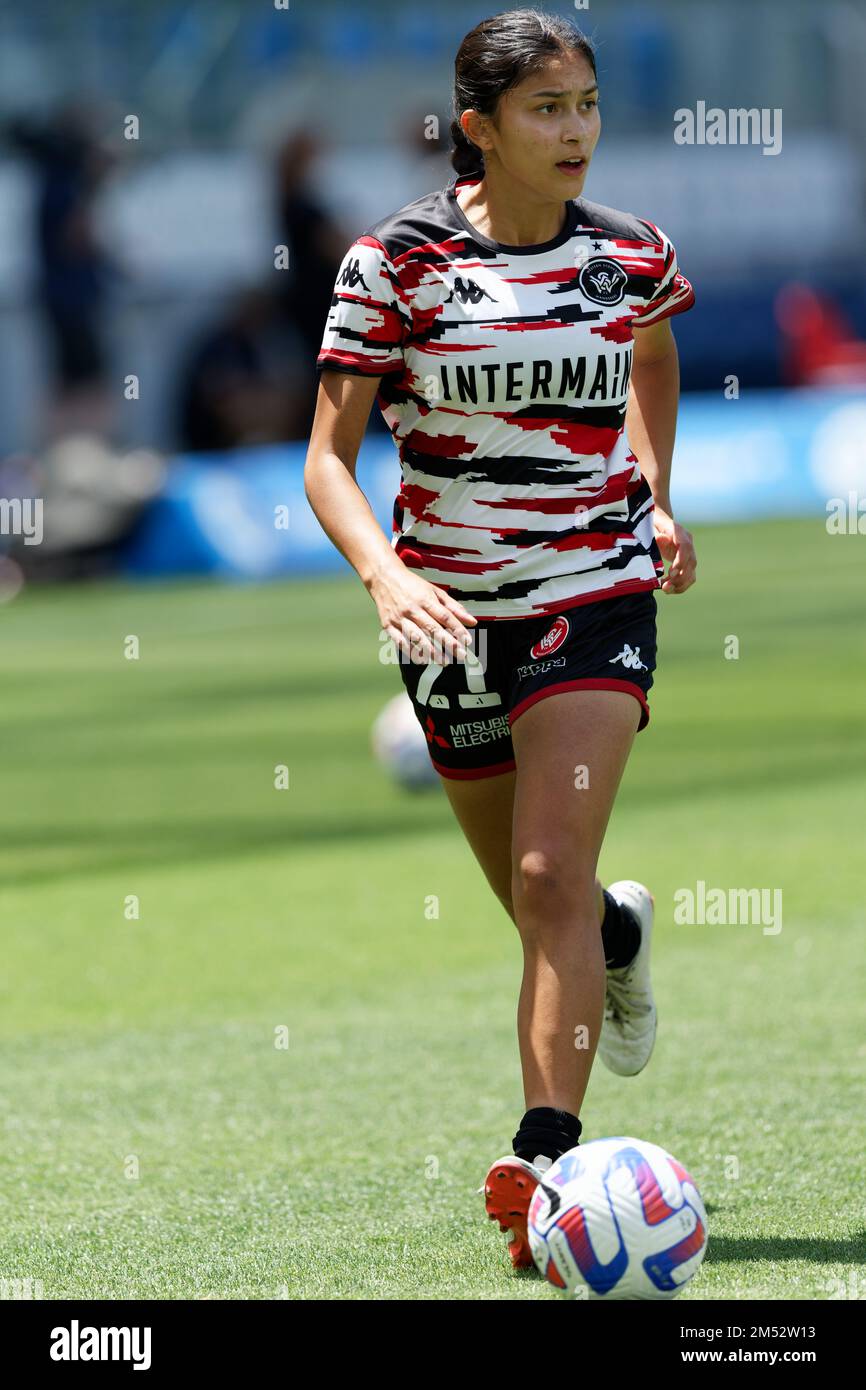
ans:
x=629 y=658
x=352 y=276
x=603 y=280
x=468 y=292
x=552 y=640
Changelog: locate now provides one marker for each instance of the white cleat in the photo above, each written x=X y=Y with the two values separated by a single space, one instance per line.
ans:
x=630 y=1018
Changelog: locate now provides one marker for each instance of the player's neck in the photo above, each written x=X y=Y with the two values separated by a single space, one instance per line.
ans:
x=510 y=213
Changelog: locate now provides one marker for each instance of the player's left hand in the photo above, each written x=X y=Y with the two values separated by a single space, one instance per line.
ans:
x=675 y=544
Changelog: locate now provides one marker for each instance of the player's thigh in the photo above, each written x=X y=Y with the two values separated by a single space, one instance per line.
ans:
x=463 y=711
x=484 y=808
x=571 y=749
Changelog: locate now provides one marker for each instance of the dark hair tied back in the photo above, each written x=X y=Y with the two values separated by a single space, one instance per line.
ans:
x=465 y=157
x=497 y=55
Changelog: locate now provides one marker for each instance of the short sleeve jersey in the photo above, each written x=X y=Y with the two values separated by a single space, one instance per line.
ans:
x=504 y=382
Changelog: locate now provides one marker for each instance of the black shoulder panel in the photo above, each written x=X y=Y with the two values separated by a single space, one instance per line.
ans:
x=428 y=220
x=420 y=222
x=619 y=224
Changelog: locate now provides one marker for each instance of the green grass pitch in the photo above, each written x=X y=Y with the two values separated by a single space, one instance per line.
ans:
x=159 y=1143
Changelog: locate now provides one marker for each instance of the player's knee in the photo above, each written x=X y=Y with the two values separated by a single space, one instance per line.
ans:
x=548 y=886
x=537 y=875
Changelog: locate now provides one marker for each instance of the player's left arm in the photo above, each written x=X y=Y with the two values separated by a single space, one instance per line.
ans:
x=650 y=426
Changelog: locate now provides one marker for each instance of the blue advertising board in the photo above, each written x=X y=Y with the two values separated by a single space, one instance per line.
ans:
x=245 y=515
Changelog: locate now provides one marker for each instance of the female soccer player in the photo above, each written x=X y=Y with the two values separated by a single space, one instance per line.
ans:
x=511 y=333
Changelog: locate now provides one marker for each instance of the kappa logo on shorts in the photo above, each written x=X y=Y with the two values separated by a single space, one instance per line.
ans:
x=629 y=658
x=539 y=668
x=552 y=640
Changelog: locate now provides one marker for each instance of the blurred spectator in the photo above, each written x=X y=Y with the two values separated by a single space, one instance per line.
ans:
x=316 y=246
x=426 y=140
x=74 y=270
x=245 y=382
x=92 y=496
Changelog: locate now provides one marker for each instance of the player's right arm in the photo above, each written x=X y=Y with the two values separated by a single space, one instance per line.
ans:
x=421 y=617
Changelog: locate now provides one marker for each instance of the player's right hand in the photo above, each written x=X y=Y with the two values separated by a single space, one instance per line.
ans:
x=425 y=622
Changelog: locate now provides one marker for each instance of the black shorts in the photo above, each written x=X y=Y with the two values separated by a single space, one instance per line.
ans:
x=467 y=708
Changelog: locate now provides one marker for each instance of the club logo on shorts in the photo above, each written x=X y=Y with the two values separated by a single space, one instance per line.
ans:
x=552 y=640
x=603 y=280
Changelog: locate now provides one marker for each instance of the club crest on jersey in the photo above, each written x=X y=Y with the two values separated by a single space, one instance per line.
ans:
x=603 y=280
x=552 y=640
x=468 y=292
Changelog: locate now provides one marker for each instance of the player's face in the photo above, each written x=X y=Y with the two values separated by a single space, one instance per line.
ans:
x=550 y=117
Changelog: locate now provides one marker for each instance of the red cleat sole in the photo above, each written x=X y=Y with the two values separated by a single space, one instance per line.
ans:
x=508 y=1190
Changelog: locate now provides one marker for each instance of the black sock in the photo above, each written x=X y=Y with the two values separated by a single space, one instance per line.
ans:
x=546 y=1131
x=620 y=933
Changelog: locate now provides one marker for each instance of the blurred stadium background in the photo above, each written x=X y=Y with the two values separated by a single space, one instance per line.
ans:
x=140 y=302
x=156 y=392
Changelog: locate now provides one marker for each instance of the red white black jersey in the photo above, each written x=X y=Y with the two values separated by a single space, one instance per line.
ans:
x=504 y=381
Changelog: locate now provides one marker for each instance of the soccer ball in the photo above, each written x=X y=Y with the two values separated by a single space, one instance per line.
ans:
x=399 y=745
x=617 y=1218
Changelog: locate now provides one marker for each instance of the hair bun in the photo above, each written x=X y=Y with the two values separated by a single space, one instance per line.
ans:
x=466 y=158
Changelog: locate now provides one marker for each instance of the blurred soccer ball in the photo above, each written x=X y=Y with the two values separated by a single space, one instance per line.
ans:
x=617 y=1218
x=400 y=746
